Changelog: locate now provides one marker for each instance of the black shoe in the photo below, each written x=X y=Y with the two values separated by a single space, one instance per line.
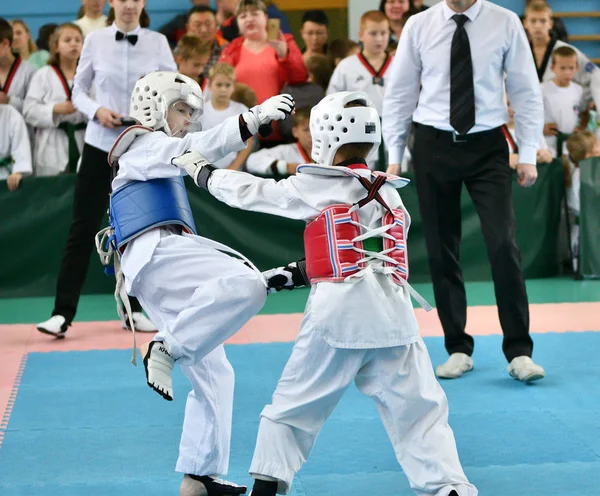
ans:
x=218 y=487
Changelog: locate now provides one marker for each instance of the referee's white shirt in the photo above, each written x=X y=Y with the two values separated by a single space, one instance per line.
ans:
x=499 y=47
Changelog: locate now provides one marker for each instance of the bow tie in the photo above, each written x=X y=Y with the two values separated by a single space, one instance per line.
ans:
x=131 y=38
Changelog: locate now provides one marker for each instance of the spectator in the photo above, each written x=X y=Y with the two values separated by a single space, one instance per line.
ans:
x=219 y=107
x=191 y=56
x=580 y=145
x=314 y=33
x=90 y=17
x=23 y=44
x=230 y=29
x=226 y=10
x=562 y=100
x=341 y=48
x=418 y=6
x=265 y=66
x=15 y=73
x=176 y=27
x=309 y=94
x=558 y=30
x=15 y=150
x=544 y=155
x=203 y=23
x=40 y=58
x=59 y=126
x=537 y=22
x=397 y=11
x=242 y=93
x=282 y=160
x=112 y=60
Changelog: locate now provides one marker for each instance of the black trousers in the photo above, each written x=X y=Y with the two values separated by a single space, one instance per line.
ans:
x=92 y=188
x=442 y=166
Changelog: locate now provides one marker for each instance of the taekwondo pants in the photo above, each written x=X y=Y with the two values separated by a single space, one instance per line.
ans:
x=411 y=403
x=198 y=297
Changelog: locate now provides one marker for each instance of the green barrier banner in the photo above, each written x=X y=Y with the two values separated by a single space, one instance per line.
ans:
x=589 y=218
x=36 y=220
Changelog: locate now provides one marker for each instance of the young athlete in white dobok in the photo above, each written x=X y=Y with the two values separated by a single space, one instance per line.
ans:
x=192 y=289
x=359 y=323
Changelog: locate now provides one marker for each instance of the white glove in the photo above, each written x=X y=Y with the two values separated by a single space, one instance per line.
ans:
x=276 y=108
x=196 y=166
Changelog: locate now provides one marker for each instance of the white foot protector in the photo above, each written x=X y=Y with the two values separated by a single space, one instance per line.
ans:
x=455 y=366
x=158 y=364
x=55 y=326
x=193 y=485
x=141 y=323
x=524 y=369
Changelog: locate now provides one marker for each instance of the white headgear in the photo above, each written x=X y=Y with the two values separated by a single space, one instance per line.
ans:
x=155 y=92
x=332 y=125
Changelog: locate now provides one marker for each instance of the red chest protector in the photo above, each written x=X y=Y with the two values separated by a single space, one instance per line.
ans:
x=334 y=242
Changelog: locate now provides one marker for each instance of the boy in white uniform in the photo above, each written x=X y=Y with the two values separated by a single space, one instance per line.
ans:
x=15 y=73
x=15 y=150
x=359 y=323
x=196 y=294
x=563 y=100
x=282 y=160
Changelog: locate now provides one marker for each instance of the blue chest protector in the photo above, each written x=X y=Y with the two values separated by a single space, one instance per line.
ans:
x=140 y=206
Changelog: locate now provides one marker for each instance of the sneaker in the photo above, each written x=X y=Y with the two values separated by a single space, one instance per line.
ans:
x=194 y=485
x=158 y=364
x=524 y=369
x=141 y=323
x=455 y=366
x=55 y=326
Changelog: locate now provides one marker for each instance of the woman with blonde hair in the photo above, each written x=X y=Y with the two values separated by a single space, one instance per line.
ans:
x=24 y=45
x=59 y=126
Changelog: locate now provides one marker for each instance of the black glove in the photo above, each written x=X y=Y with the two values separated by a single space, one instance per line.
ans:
x=289 y=277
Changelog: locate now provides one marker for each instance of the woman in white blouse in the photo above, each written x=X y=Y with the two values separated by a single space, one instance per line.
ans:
x=112 y=60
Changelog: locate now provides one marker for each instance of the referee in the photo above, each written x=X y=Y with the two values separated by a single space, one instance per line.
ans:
x=449 y=76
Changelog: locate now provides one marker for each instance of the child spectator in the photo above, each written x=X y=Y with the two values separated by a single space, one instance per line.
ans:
x=220 y=106
x=341 y=48
x=242 y=93
x=191 y=56
x=15 y=150
x=282 y=160
x=59 y=126
x=563 y=100
x=15 y=73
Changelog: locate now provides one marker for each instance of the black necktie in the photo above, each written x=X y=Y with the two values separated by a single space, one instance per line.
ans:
x=131 y=38
x=462 y=92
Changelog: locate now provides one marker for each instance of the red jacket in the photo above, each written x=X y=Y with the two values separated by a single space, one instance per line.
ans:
x=291 y=69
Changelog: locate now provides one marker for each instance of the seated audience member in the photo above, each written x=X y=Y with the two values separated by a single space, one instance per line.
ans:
x=242 y=93
x=90 y=17
x=230 y=29
x=59 y=126
x=220 y=106
x=307 y=95
x=314 y=33
x=397 y=12
x=202 y=22
x=580 y=145
x=563 y=100
x=15 y=149
x=558 y=31
x=191 y=56
x=15 y=73
x=40 y=58
x=266 y=66
x=282 y=160
x=176 y=27
x=341 y=48
x=544 y=155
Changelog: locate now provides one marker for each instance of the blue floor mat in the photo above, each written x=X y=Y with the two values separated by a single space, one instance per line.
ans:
x=86 y=423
